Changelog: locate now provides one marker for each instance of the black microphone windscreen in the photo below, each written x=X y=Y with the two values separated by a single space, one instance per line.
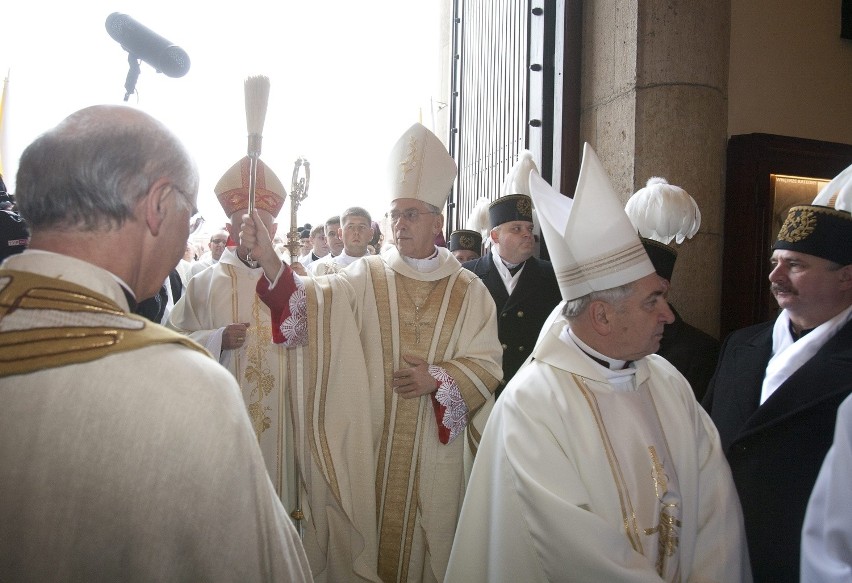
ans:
x=145 y=44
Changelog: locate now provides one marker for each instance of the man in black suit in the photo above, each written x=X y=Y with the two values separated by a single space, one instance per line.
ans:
x=692 y=352
x=524 y=287
x=776 y=390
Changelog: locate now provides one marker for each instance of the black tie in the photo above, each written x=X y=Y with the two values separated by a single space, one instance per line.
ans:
x=515 y=269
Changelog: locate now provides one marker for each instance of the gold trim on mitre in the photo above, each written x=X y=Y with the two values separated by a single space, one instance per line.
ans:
x=592 y=244
x=419 y=167
x=232 y=190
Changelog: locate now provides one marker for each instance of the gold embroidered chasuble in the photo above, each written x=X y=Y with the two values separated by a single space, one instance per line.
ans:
x=100 y=449
x=361 y=323
x=47 y=322
x=577 y=481
x=225 y=294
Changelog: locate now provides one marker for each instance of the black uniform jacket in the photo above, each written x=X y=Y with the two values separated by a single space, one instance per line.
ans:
x=521 y=315
x=776 y=449
x=693 y=352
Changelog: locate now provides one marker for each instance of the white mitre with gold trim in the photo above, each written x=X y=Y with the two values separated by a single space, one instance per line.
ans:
x=420 y=167
x=592 y=244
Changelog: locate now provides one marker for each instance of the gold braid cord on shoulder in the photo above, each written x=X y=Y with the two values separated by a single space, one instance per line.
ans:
x=47 y=322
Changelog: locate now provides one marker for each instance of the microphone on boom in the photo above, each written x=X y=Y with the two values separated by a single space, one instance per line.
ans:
x=142 y=42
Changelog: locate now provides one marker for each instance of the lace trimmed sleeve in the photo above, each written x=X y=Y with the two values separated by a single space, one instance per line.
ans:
x=450 y=397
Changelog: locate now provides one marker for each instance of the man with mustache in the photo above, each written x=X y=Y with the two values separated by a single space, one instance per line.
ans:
x=777 y=387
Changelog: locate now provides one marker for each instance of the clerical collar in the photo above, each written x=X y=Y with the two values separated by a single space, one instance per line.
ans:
x=345 y=259
x=601 y=359
x=427 y=265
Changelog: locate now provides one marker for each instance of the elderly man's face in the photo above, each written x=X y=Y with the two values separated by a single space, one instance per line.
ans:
x=414 y=227
x=637 y=322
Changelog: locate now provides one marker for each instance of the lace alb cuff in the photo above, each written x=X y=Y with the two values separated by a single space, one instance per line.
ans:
x=449 y=395
x=294 y=328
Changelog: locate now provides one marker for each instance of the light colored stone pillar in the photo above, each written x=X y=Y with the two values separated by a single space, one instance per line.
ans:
x=654 y=103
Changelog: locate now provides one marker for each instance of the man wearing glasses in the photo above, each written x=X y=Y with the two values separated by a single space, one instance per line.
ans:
x=217 y=244
x=125 y=450
x=389 y=420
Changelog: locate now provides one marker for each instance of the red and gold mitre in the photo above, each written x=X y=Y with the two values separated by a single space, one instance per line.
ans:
x=232 y=190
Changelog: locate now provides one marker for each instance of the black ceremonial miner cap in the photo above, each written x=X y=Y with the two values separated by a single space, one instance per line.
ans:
x=817 y=230
x=464 y=239
x=514 y=207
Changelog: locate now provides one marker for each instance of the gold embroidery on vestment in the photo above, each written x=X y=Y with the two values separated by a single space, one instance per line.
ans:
x=100 y=326
x=628 y=514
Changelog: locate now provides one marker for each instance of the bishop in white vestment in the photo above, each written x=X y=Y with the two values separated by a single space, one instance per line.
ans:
x=597 y=463
x=221 y=301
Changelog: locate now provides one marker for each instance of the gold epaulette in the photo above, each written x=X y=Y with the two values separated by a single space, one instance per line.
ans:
x=47 y=322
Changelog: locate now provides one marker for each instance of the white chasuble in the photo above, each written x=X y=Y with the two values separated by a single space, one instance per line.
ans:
x=405 y=487
x=642 y=470
x=575 y=481
x=225 y=294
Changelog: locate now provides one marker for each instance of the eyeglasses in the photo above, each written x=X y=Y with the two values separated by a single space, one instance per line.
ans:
x=218 y=241
x=411 y=215
x=195 y=222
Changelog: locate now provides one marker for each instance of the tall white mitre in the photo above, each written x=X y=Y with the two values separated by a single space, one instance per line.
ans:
x=592 y=244
x=420 y=167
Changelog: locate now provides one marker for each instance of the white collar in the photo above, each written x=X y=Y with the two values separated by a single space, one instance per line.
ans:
x=789 y=355
x=427 y=265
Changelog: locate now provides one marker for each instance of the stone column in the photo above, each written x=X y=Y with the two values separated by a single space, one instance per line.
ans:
x=654 y=103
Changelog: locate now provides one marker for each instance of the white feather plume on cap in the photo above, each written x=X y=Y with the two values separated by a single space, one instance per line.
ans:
x=662 y=212
x=478 y=218
x=838 y=192
x=517 y=181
